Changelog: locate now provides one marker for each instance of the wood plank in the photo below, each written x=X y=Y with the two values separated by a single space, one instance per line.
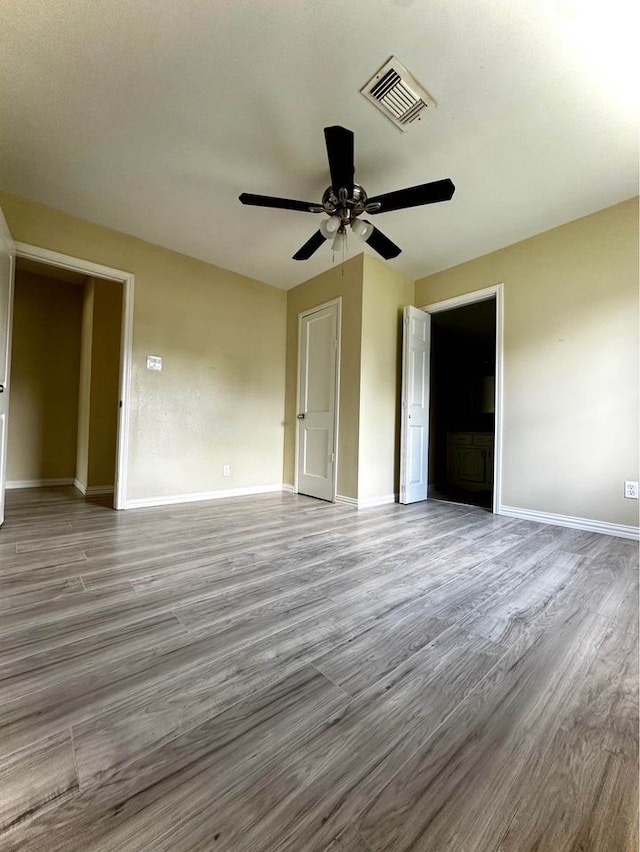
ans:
x=579 y=797
x=15 y=596
x=77 y=667
x=34 y=777
x=516 y=608
x=348 y=840
x=375 y=652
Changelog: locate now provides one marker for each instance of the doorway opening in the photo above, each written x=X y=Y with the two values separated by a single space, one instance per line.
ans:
x=462 y=404
x=70 y=371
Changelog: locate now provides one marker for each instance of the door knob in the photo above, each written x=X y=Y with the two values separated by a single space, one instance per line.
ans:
x=1 y=388
x=301 y=416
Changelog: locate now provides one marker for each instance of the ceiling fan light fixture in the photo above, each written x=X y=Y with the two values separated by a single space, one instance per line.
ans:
x=361 y=229
x=340 y=241
x=329 y=227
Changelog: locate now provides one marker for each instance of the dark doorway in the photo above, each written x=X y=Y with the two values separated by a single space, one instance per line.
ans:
x=462 y=404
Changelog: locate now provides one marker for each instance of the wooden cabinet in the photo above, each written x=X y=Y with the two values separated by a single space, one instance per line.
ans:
x=470 y=460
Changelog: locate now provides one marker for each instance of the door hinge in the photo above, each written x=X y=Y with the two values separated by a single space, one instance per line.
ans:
x=332 y=457
x=336 y=343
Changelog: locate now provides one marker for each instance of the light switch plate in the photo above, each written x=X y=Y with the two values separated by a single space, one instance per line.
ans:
x=154 y=362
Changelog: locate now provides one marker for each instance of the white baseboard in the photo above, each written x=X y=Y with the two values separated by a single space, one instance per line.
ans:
x=348 y=501
x=144 y=502
x=90 y=490
x=367 y=502
x=288 y=488
x=382 y=500
x=586 y=524
x=38 y=483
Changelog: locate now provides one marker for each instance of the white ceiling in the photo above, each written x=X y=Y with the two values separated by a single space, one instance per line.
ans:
x=152 y=116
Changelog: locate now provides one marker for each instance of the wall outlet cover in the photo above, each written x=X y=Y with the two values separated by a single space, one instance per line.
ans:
x=154 y=362
x=631 y=489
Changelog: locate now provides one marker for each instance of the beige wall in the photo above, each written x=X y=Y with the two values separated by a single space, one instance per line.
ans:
x=345 y=281
x=385 y=293
x=571 y=362
x=220 y=396
x=44 y=379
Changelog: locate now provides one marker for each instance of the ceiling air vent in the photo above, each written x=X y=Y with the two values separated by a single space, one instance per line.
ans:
x=397 y=94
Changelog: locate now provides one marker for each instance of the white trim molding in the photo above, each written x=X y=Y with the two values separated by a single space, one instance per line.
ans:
x=90 y=490
x=127 y=279
x=172 y=499
x=39 y=483
x=288 y=488
x=495 y=291
x=586 y=524
x=347 y=501
x=367 y=502
x=382 y=500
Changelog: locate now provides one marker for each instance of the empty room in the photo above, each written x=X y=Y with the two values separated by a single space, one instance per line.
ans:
x=319 y=418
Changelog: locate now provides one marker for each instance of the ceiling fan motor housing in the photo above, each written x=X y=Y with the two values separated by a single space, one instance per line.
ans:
x=347 y=207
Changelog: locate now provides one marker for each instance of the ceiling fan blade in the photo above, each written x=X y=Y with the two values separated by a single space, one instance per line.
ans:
x=413 y=196
x=382 y=244
x=340 y=151
x=280 y=203
x=310 y=247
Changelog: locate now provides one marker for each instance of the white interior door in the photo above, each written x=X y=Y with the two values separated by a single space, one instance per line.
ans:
x=414 y=430
x=7 y=258
x=318 y=349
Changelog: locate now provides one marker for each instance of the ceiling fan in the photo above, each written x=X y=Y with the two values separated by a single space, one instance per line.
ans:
x=345 y=201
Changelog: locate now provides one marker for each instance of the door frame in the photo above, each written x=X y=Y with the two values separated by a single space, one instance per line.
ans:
x=494 y=291
x=127 y=279
x=336 y=394
x=5 y=357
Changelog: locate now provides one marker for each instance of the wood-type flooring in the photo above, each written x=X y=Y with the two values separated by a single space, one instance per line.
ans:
x=279 y=674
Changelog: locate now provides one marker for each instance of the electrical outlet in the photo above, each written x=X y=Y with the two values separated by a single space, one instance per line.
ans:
x=631 y=489
x=226 y=470
x=154 y=362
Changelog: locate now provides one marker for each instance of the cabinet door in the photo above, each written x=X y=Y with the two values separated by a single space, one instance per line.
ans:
x=471 y=464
